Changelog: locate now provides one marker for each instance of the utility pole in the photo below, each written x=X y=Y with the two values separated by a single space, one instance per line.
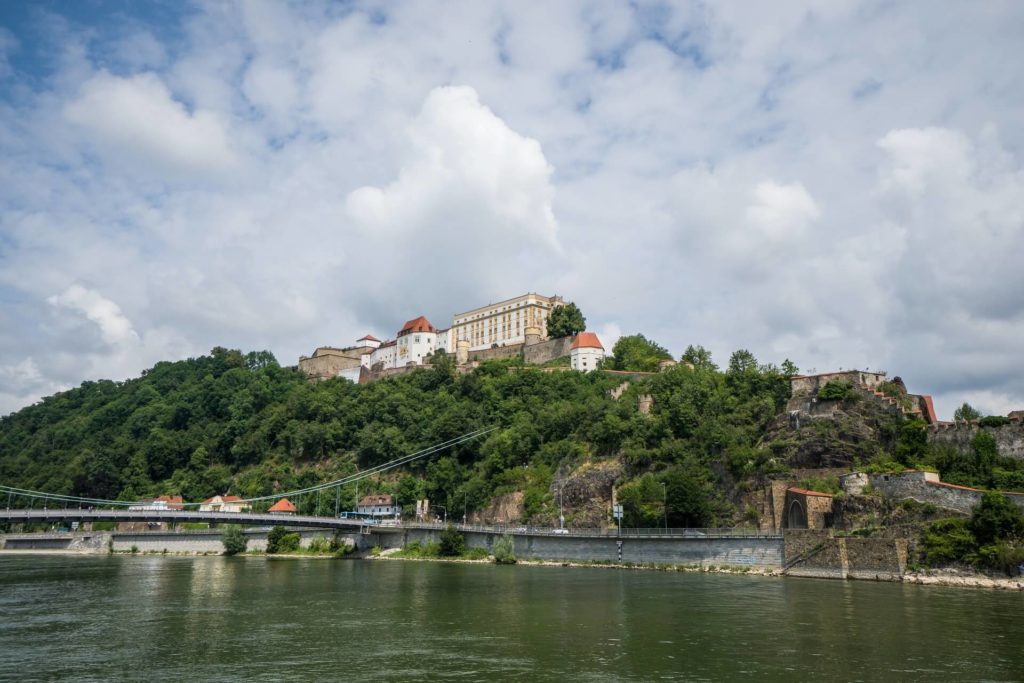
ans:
x=465 y=498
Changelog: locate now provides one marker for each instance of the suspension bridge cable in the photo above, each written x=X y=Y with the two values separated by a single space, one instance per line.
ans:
x=363 y=474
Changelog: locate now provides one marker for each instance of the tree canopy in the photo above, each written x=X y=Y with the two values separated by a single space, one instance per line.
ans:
x=636 y=353
x=565 y=321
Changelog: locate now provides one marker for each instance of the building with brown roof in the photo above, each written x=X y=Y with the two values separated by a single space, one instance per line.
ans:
x=585 y=352
x=282 y=507
x=377 y=505
x=224 y=504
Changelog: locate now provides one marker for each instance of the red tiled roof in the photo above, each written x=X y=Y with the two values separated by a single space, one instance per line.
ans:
x=419 y=324
x=283 y=505
x=173 y=502
x=586 y=340
x=805 y=492
x=929 y=409
x=368 y=337
x=225 y=499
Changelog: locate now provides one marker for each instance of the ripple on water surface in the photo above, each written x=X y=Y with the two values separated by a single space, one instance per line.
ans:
x=110 y=618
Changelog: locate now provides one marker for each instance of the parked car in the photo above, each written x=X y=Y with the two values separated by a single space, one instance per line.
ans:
x=560 y=531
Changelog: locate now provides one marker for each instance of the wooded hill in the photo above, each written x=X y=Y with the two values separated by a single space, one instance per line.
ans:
x=241 y=423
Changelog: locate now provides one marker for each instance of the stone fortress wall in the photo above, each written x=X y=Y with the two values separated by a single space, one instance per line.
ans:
x=924 y=487
x=1009 y=437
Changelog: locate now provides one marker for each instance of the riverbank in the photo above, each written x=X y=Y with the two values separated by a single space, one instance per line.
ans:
x=959 y=579
x=937 y=577
x=952 y=578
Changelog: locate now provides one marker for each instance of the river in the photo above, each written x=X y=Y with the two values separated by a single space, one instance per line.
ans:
x=215 y=618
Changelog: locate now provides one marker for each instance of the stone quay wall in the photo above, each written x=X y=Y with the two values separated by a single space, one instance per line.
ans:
x=817 y=553
x=765 y=553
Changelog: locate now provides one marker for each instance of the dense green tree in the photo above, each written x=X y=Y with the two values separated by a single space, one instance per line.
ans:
x=966 y=413
x=234 y=540
x=636 y=353
x=698 y=357
x=912 y=442
x=995 y=519
x=453 y=543
x=274 y=537
x=565 y=321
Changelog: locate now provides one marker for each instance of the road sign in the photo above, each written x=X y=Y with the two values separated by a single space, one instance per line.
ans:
x=617 y=511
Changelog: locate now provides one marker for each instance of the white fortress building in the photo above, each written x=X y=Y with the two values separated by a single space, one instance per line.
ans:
x=516 y=322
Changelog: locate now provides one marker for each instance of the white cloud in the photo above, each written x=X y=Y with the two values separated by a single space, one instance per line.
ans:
x=115 y=328
x=137 y=120
x=782 y=211
x=472 y=203
x=265 y=175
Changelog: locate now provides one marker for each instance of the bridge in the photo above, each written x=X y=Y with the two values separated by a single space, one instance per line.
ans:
x=39 y=516
x=177 y=516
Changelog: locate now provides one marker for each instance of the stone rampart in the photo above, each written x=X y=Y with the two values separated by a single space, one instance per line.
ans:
x=496 y=353
x=1009 y=437
x=925 y=487
x=549 y=350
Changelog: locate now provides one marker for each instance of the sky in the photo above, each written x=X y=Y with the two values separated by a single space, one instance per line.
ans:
x=837 y=183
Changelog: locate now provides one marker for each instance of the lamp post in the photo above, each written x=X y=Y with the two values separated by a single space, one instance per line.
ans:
x=465 y=499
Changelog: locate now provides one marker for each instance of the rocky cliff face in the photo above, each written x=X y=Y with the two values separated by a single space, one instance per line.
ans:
x=831 y=434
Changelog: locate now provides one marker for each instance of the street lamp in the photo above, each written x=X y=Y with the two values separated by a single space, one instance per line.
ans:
x=465 y=499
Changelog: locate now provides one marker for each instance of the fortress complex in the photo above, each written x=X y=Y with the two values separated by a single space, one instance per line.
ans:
x=498 y=330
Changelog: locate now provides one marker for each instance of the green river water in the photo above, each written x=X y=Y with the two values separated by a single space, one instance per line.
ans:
x=214 y=618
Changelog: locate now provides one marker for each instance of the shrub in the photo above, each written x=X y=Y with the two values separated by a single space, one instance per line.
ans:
x=948 y=541
x=504 y=550
x=994 y=421
x=234 y=540
x=838 y=390
x=274 y=539
x=1003 y=556
x=319 y=545
x=289 y=543
x=996 y=518
x=453 y=543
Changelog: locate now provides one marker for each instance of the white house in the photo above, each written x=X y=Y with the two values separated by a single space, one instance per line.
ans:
x=224 y=504
x=585 y=352
x=377 y=506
